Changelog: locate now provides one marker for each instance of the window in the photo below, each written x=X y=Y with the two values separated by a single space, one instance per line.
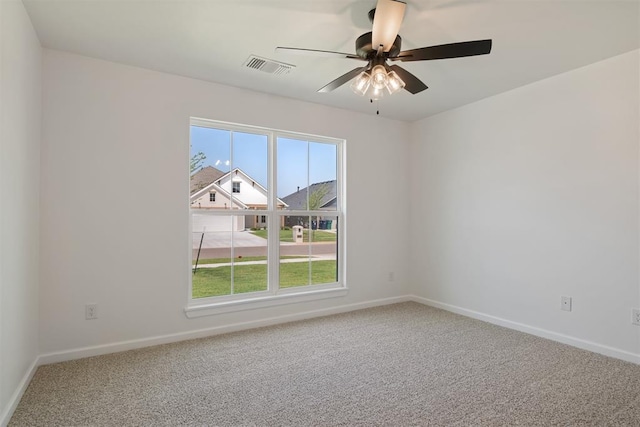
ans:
x=293 y=249
x=212 y=197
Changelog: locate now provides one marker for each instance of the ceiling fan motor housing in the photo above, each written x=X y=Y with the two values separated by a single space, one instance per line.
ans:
x=365 y=49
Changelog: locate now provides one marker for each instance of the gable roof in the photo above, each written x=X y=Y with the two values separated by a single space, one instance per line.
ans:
x=298 y=200
x=204 y=177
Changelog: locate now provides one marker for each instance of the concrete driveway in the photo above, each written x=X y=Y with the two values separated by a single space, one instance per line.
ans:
x=222 y=239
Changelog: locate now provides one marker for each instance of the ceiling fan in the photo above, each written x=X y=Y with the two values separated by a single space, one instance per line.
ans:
x=383 y=44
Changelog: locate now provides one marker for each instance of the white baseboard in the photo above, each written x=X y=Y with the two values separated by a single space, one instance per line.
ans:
x=98 y=350
x=554 y=336
x=7 y=412
x=79 y=353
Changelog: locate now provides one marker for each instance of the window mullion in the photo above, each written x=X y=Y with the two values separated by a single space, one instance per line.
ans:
x=340 y=207
x=273 y=227
x=233 y=219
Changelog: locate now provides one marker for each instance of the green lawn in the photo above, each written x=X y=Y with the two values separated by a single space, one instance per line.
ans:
x=209 y=282
x=287 y=235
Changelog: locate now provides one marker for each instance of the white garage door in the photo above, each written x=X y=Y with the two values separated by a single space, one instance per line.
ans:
x=217 y=223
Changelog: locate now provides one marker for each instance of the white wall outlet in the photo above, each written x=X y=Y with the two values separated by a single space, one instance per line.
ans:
x=391 y=276
x=91 y=311
x=565 y=303
x=635 y=316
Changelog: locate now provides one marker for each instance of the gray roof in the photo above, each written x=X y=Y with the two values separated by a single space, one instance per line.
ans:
x=204 y=177
x=298 y=200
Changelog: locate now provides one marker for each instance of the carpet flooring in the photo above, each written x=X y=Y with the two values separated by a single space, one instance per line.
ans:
x=399 y=365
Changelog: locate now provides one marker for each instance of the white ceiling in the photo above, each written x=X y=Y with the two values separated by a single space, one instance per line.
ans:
x=211 y=39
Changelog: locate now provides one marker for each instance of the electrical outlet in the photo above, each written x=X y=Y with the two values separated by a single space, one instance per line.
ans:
x=565 y=303
x=635 y=316
x=391 y=276
x=91 y=311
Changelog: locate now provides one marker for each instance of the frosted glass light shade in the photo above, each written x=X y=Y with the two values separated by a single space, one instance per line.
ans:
x=387 y=22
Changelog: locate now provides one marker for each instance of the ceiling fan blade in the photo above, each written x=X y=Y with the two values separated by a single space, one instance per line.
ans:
x=412 y=83
x=443 y=51
x=342 y=79
x=325 y=53
x=386 y=23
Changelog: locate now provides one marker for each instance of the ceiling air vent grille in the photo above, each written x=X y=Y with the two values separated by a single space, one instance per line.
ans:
x=268 y=65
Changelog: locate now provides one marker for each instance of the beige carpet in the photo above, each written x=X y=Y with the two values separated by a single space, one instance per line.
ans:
x=404 y=364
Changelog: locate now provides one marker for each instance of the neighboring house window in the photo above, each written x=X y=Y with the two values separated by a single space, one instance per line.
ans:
x=212 y=197
x=309 y=173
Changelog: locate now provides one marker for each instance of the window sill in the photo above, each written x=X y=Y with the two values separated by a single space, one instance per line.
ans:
x=209 y=309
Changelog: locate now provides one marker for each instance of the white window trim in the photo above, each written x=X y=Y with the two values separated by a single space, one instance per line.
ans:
x=209 y=309
x=274 y=296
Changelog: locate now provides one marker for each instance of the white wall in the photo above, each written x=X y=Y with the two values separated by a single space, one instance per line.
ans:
x=20 y=117
x=123 y=133
x=533 y=194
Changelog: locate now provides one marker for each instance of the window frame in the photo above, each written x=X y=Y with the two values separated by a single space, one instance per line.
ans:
x=235 y=187
x=197 y=307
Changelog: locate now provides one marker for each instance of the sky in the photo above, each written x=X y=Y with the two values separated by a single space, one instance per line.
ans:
x=300 y=163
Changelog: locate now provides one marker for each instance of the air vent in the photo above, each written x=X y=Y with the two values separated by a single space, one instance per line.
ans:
x=268 y=65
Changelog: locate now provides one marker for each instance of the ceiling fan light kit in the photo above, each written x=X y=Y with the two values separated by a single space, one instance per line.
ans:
x=374 y=84
x=383 y=44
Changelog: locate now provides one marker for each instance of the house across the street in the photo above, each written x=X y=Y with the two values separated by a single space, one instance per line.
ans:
x=213 y=189
x=319 y=196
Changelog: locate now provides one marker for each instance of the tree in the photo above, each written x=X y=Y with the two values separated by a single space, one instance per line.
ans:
x=317 y=195
x=196 y=161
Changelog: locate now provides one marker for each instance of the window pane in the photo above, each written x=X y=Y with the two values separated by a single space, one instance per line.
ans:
x=249 y=171
x=250 y=272
x=308 y=251
x=324 y=249
x=323 y=164
x=293 y=172
x=294 y=252
x=211 y=253
x=233 y=165
x=230 y=259
x=307 y=174
x=210 y=156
